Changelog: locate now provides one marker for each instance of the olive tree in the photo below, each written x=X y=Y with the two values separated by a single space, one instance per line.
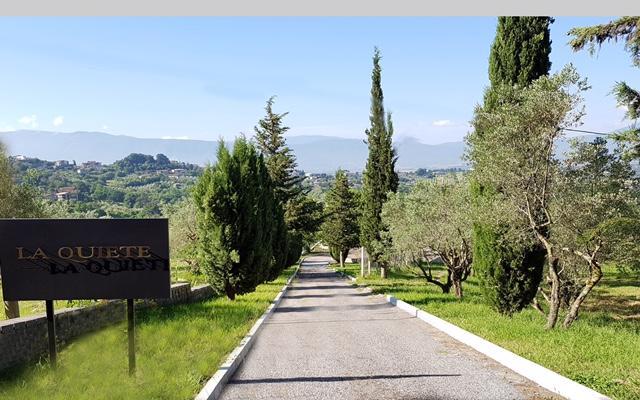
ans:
x=595 y=219
x=525 y=127
x=582 y=211
x=434 y=218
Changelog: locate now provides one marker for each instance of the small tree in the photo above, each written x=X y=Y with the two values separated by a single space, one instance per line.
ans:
x=183 y=232
x=433 y=219
x=234 y=201
x=340 y=229
x=16 y=201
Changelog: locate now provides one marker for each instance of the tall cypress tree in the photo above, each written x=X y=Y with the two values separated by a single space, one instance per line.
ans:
x=379 y=177
x=511 y=276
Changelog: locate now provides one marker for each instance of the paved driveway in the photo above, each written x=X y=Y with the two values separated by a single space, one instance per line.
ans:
x=330 y=340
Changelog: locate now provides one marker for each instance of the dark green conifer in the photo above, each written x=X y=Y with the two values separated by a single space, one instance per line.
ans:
x=379 y=177
x=340 y=230
x=519 y=55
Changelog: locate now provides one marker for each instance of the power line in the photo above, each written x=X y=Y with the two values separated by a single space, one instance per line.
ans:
x=591 y=132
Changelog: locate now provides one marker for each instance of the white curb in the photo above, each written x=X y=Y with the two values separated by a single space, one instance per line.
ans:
x=214 y=386
x=542 y=376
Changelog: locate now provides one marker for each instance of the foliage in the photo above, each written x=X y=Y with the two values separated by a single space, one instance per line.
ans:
x=520 y=51
x=17 y=200
x=625 y=29
x=235 y=201
x=340 y=230
x=595 y=218
x=302 y=213
x=379 y=177
x=536 y=193
x=183 y=233
x=434 y=219
x=138 y=186
x=510 y=270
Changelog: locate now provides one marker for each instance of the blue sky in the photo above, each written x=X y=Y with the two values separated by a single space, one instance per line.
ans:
x=202 y=78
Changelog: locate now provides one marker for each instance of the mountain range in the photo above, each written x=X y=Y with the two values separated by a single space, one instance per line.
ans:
x=313 y=153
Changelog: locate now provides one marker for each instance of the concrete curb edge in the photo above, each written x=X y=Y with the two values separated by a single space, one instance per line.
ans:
x=544 y=377
x=215 y=385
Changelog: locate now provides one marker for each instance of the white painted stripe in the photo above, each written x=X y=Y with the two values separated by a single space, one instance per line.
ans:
x=537 y=373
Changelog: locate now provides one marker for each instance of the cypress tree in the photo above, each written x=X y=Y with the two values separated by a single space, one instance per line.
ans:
x=379 y=177
x=234 y=200
x=340 y=228
x=511 y=276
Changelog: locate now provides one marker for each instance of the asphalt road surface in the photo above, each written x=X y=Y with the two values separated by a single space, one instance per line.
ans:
x=330 y=340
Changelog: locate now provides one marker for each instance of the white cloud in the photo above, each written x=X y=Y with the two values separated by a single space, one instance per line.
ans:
x=6 y=128
x=176 y=137
x=59 y=120
x=105 y=127
x=442 y=122
x=30 y=121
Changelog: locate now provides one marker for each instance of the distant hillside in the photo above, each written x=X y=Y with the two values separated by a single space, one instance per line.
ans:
x=314 y=153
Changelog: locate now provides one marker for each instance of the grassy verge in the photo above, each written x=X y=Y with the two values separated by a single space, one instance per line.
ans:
x=179 y=272
x=178 y=349
x=600 y=351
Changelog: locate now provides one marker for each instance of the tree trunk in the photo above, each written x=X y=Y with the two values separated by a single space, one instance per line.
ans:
x=11 y=309
x=554 y=297
x=230 y=291
x=341 y=260
x=383 y=271
x=362 y=261
x=368 y=266
x=594 y=278
x=457 y=286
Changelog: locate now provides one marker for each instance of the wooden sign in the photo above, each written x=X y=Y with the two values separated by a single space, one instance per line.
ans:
x=64 y=259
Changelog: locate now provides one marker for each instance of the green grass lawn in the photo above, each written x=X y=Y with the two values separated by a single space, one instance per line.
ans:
x=179 y=272
x=178 y=349
x=601 y=350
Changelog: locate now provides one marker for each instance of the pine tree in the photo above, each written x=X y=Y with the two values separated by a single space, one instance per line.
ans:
x=379 y=177
x=340 y=229
x=302 y=214
x=280 y=161
x=511 y=276
x=234 y=200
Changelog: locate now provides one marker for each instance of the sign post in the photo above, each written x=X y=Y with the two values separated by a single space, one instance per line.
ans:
x=65 y=259
x=131 y=332
x=51 y=331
